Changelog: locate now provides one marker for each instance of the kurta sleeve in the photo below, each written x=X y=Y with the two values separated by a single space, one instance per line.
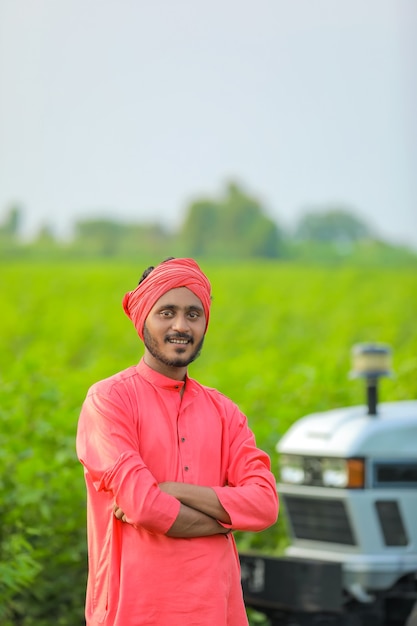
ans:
x=250 y=497
x=108 y=447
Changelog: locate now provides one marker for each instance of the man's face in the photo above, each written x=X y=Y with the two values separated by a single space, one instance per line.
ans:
x=174 y=331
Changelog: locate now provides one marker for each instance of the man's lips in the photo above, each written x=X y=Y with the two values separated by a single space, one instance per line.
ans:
x=180 y=341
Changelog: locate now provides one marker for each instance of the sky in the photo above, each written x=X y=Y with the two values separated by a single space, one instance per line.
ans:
x=130 y=109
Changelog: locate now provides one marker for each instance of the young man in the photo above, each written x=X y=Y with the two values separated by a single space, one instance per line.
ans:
x=171 y=468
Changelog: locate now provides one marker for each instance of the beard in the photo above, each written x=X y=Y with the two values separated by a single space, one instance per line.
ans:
x=179 y=361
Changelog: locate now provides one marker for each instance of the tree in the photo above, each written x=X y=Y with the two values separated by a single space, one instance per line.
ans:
x=110 y=238
x=11 y=224
x=100 y=236
x=45 y=235
x=246 y=226
x=334 y=225
x=201 y=227
x=235 y=226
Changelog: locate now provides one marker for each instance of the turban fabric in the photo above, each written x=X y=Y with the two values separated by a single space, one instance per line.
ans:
x=164 y=277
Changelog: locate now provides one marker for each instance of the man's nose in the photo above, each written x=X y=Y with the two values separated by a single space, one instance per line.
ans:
x=181 y=323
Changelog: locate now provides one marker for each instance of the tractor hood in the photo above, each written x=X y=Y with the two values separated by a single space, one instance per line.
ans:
x=350 y=432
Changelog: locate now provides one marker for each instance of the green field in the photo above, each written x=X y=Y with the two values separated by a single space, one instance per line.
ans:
x=278 y=344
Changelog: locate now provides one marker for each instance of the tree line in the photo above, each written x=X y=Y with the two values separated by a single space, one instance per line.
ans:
x=233 y=226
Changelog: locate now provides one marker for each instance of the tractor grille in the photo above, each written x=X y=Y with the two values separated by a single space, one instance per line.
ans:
x=319 y=520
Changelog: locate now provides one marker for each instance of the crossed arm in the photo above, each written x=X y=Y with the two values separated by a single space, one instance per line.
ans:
x=114 y=465
x=200 y=511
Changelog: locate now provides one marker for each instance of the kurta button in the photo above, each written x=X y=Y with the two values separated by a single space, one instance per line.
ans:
x=183 y=439
x=186 y=468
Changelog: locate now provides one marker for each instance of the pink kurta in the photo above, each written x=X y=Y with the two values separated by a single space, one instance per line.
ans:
x=134 y=432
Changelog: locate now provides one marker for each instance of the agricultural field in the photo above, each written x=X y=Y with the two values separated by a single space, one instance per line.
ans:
x=278 y=344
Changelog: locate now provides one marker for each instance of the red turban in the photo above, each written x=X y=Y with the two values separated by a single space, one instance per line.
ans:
x=168 y=275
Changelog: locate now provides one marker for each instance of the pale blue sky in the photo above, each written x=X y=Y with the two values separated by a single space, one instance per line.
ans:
x=130 y=109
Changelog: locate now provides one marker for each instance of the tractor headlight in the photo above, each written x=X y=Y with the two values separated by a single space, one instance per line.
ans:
x=292 y=469
x=335 y=473
x=322 y=471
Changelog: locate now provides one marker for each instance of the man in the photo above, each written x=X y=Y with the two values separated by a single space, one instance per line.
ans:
x=171 y=468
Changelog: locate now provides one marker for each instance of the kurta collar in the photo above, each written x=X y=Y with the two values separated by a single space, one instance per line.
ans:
x=157 y=379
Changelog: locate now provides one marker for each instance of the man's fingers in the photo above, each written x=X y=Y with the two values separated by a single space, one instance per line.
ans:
x=119 y=513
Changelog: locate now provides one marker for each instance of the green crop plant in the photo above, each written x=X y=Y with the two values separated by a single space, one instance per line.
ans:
x=278 y=344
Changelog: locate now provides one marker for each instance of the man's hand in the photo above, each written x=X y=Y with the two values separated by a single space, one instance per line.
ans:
x=189 y=523
x=200 y=511
x=193 y=523
x=119 y=513
x=202 y=499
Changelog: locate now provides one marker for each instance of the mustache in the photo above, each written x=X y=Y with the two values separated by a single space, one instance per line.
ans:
x=185 y=336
